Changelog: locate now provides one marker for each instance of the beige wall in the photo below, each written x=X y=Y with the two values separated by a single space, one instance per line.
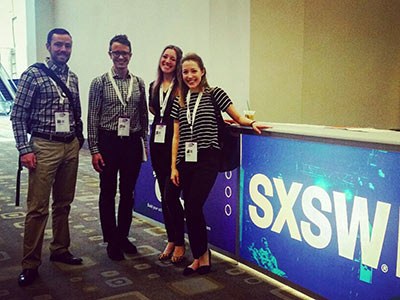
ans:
x=326 y=62
x=276 y=59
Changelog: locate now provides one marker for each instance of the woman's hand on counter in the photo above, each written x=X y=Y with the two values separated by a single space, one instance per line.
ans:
x=255 y=125
x=258 y=126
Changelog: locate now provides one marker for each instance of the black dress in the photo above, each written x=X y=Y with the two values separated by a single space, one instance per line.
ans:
x=161 y=154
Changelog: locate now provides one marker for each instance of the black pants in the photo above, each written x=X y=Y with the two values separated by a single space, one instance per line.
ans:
x=197 y=180
x=171 y=207
x=121 y=156
x=170 y=203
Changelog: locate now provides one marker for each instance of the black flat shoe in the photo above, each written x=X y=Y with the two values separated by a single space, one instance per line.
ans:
x=66 y=258
x=127 y=247
x=188 y=271
x=202 y=270
x=27 y=277
x=114 y=252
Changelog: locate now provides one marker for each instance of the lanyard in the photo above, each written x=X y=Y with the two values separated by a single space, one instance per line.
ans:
x=118 y=92
x=61 y=94
x=164 y=101
x=190 y=118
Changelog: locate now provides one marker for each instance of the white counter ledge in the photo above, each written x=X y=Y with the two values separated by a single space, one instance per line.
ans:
x=365 y=135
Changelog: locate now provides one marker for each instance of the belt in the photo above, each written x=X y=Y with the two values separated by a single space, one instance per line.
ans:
x=53 y=137
x=109 y=133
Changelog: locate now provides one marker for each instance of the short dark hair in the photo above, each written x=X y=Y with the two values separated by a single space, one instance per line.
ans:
x=56 y=31
x=122 y=39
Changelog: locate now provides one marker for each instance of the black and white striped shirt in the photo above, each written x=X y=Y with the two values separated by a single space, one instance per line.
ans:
x=105 y=108
x=205 y=128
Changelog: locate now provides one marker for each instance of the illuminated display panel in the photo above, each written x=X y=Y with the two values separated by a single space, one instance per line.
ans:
x=323 y=216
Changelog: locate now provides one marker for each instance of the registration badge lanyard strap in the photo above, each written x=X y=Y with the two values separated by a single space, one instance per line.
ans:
x=61 y=94
x=190 y=118
x=164 y=100
x=118 y=92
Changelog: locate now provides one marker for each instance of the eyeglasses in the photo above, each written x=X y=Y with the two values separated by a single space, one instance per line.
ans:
x=117 y=54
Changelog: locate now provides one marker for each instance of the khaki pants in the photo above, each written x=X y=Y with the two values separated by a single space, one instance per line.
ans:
x=56 y=171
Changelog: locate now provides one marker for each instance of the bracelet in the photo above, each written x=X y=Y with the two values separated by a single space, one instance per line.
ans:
x=251 y=124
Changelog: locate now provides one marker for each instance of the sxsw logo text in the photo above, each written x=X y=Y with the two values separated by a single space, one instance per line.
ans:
x=349 y=227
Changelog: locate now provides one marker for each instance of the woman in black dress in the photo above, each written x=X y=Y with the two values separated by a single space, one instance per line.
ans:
x=161 y=96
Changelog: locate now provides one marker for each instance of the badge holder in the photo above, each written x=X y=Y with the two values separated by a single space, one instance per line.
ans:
x=62 y=121
x=191 y=152
x=159 y=134
x=123 y=126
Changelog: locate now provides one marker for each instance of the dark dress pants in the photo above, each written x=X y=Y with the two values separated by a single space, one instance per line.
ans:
x=197 y=180
x=122 y=156
x=172 y=208
x=173 y=212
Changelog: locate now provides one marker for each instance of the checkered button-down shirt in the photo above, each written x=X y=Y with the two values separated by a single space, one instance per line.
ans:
x=36 y=101
x=105 y=108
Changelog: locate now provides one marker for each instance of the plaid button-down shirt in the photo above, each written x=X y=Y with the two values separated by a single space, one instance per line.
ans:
x=105 y=108
x=36 y=101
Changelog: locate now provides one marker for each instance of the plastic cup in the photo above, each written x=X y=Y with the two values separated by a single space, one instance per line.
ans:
x=249 y=114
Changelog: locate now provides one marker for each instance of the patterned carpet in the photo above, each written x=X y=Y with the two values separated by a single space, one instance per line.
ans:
x=140 y=276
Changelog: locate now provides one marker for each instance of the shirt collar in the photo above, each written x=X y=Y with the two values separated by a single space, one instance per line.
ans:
x=115 y=75
x=56 y=68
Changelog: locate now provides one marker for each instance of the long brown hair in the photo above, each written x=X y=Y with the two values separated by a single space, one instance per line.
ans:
x=183 y=87
x=160 y=75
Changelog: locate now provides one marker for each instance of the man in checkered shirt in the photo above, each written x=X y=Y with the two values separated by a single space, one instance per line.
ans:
x=54 y=123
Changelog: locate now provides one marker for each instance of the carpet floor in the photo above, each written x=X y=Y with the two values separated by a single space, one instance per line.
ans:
x=141 y=276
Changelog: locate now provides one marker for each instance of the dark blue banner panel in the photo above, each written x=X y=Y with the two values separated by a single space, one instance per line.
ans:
x=323 y=216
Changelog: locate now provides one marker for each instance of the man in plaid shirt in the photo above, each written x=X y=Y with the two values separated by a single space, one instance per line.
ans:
x=117 y=130
x=54 y=123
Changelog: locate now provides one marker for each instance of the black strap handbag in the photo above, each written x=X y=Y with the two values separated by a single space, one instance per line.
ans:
x=229 y=142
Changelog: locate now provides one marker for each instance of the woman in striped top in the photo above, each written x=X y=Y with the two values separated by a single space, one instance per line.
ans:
x=196 y=152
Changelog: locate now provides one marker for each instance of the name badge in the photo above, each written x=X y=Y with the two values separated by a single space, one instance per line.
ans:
x=123 y=126
x=159 y=134
x=191 y=151
x=62 y=121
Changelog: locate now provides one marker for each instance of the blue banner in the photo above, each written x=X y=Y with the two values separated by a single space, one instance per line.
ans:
x=147 y=194
x=322 y=215
x=220 y=211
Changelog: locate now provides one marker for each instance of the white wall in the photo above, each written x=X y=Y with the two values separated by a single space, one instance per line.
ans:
x=21 y=41
x=218 y=30
x=10 y=9
x=5 y=33
x=43 y=16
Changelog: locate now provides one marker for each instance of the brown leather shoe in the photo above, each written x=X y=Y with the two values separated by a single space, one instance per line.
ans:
x=66 y=258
